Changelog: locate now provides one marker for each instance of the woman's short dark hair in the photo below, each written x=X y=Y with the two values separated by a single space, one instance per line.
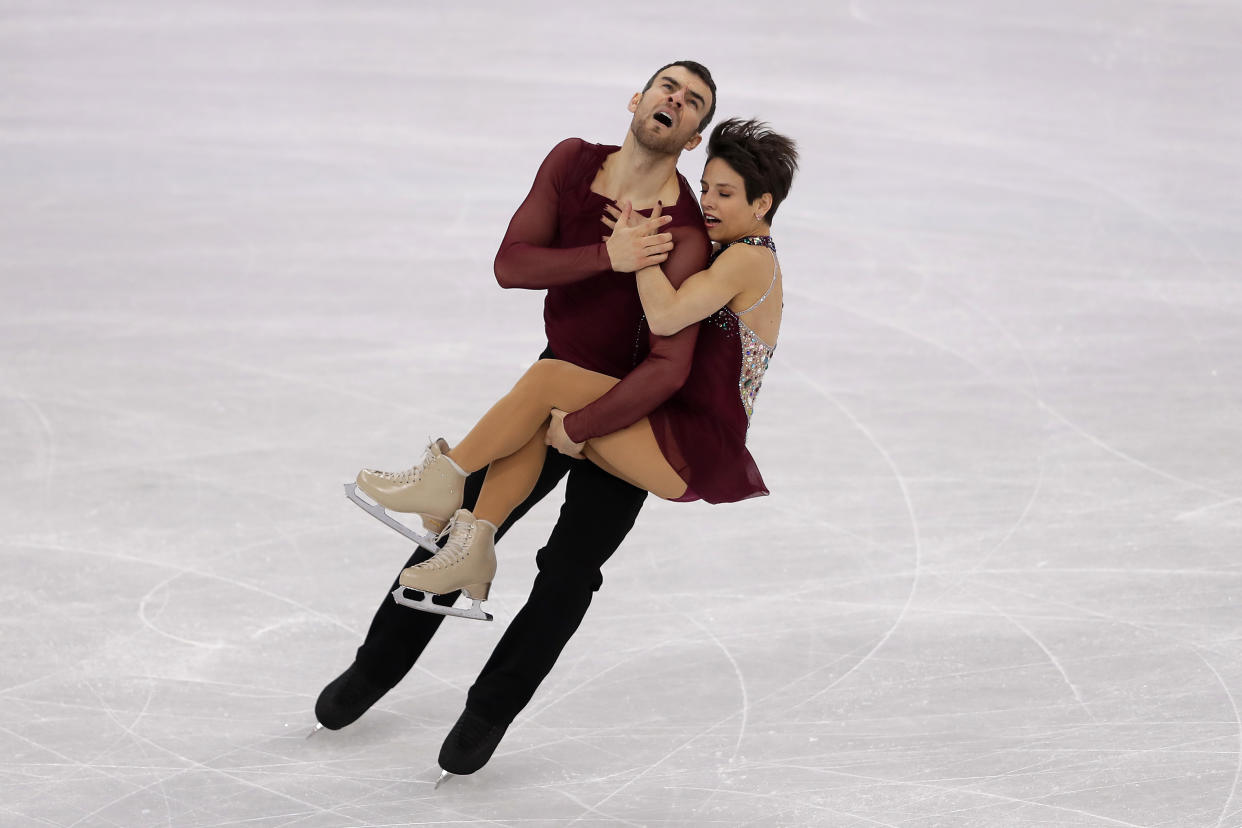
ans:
x=704 y=75
x=765 y=160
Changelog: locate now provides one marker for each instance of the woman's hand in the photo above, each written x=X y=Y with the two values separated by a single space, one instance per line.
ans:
x=635 y=242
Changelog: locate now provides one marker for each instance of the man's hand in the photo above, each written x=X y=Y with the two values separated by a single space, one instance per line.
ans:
x=558 y=439
x=612 y=212
x=634 y=243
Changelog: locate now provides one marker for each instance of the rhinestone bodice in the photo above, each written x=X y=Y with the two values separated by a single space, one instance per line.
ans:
x=756 y=354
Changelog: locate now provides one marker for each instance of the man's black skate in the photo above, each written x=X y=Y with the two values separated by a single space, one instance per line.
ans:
x=469 y=745
x=346 y=698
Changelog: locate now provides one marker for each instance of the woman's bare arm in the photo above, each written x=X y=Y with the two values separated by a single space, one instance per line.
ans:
x=670 y=309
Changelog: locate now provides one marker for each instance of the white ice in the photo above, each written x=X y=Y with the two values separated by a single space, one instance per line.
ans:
x=245 y=249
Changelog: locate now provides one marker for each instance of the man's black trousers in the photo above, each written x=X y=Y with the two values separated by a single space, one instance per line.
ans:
x=599 y=511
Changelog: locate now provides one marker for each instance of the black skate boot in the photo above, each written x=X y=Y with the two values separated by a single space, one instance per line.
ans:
x=347 y=697
x=469 y=745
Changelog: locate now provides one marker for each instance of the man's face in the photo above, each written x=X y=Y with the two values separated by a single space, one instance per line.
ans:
x=667 y=116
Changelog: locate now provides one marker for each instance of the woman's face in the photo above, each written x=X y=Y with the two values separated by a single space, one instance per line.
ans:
x=727 y=213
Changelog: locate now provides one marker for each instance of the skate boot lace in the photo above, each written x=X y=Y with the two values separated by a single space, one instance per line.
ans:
x=453 y=552
x=414 y=473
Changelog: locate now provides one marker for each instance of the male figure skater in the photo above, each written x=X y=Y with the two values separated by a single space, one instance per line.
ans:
x=594 y=319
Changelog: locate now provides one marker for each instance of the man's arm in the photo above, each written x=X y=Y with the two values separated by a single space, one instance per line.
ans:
x=664 y=370
x=527 y=259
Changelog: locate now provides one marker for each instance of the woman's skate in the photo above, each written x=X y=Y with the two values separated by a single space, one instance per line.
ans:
x=433 y=490
x=467 y=562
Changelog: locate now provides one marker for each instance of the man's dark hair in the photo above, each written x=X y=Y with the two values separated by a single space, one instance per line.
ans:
x=765 y=160
x=704 y=75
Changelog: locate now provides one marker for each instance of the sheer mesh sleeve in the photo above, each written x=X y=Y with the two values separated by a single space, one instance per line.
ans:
x=666 y=367
x=526 y=258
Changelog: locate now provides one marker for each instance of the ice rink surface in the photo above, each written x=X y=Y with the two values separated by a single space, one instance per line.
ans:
x=246 y=250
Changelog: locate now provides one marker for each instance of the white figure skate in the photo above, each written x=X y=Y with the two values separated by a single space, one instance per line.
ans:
x=432 y=490
x=467 y=562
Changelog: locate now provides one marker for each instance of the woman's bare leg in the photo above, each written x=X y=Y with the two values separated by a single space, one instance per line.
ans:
x=514 y=419
x=515 y=426
x=633 y=455
x=510 y=480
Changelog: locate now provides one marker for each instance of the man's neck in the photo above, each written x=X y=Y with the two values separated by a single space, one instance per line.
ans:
x=638 y=175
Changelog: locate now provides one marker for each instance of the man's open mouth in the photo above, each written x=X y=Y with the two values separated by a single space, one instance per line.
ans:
x=664 y=118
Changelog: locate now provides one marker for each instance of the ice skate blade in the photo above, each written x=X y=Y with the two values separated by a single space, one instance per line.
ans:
x=444 y=775
x=427 y=605
x=427 y=540
x=318 y=727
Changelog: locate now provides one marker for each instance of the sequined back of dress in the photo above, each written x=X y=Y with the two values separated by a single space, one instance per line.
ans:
x=756 y=354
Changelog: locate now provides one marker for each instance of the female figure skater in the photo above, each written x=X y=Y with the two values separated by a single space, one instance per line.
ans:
x=693 y=446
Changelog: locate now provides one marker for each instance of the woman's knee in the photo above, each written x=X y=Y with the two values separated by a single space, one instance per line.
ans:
x=547 y=379
x=534 y=381
x=543 y=374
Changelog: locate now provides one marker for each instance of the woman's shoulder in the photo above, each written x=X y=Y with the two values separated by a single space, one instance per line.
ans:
x=747 y=256
x=743 y=268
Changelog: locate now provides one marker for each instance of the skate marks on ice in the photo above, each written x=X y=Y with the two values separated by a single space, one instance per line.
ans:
x=812 y=383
